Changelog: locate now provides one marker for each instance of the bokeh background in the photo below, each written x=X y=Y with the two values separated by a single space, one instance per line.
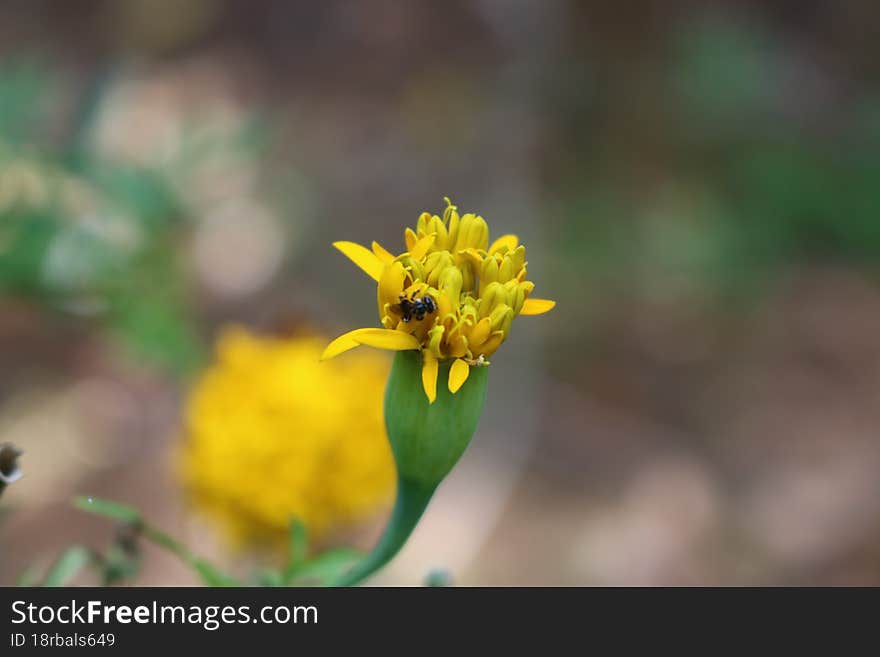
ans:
x=698 y=186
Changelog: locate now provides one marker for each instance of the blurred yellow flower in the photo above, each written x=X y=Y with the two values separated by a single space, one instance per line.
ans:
x=272 y=434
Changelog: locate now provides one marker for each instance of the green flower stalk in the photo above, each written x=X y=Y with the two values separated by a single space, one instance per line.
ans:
x=445 y=305
x=427 y=440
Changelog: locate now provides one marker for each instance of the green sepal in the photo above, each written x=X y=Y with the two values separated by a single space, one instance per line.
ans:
x=428 y=439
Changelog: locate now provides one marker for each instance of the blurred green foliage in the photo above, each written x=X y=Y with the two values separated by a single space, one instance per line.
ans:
x=86 y=237
x=122 y=560
x=756 y=163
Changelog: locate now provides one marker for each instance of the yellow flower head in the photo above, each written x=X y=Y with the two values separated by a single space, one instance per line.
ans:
x=451 y=294
x=272 y=435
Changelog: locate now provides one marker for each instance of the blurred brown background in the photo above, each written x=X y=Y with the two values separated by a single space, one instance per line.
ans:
x=697 y=186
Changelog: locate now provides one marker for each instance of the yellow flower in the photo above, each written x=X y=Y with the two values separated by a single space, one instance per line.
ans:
x=272 y=435
x=451 y=294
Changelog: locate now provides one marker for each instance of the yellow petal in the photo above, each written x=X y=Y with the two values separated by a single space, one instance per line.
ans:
x=510 y=241
x=420 y=248
x=340 y=345
x=458 y=374
x=362 y=257
x=429 y=376
x=385 y=339
x=383 y=254
x=537 y=306
x=372 y=337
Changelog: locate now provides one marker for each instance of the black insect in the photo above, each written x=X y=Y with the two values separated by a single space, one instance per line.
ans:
x=416 y=307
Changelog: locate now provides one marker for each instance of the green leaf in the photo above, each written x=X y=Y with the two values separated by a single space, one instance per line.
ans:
x=114 y=510
x=208 y=573
x=119 y=564
x=324 y=568
x=67 y=566
x=211 y=575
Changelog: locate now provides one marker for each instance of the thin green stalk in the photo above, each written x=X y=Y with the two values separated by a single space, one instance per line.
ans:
x=412 y=500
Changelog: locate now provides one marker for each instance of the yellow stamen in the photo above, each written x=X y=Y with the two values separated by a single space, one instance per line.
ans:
x=509 y=241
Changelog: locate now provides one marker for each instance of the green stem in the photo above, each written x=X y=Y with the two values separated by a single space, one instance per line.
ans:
x=427 y=440
x=412 y=500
